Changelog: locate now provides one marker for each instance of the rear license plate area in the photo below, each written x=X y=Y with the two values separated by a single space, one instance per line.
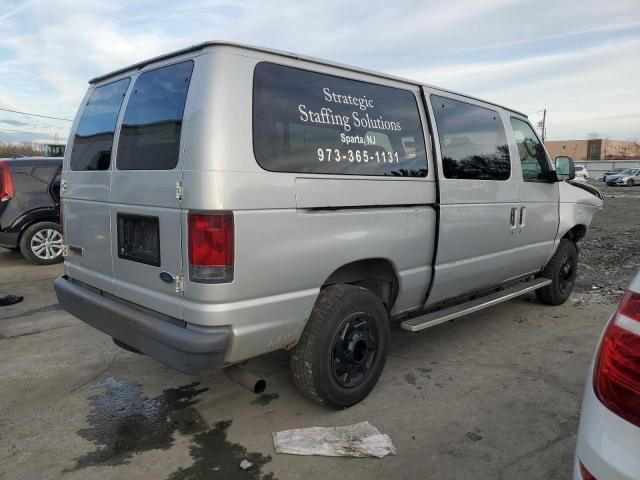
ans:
x=139 y=238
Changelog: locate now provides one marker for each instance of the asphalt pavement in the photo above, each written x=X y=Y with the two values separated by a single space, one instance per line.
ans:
x=494 y=395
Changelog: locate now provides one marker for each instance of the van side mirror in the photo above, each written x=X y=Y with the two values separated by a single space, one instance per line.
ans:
x=565 y=168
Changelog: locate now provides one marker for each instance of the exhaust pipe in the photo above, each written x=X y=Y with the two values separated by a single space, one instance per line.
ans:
x=247 y=379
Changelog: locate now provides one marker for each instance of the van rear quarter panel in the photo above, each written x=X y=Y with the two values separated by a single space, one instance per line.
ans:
x=291 y=230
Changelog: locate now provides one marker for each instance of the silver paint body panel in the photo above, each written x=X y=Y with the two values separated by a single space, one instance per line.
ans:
x=292 y=231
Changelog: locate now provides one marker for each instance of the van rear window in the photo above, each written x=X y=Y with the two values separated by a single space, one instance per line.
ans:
x=308 y=122
x=150 y=133
x=93 y=139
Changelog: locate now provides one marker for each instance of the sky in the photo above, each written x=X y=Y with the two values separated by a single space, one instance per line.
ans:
x=578 y=59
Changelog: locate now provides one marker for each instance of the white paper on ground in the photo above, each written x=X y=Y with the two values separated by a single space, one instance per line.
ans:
x=358 y=440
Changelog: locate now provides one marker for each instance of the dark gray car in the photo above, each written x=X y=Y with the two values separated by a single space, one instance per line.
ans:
x=30 y=208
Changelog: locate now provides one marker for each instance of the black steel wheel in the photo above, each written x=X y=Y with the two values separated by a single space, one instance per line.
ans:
x=354 y=349
x=342 y=351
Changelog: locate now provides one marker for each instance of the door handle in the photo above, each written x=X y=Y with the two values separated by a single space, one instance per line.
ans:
x=512 y=220
x=523 y=216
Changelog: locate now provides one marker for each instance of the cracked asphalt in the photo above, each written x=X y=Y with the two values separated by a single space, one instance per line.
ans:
x=492 y=395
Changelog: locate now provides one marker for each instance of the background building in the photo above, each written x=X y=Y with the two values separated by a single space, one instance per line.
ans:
x=594 y=149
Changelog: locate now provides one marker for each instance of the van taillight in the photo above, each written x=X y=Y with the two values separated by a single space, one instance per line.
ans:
x=7 y=191
x=210 y=247
x=616 y=378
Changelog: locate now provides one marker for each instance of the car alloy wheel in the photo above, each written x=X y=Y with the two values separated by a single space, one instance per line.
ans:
x=46 y=244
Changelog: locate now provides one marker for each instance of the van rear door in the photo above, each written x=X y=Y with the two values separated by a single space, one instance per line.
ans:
x=145 y=204
x=85 y=186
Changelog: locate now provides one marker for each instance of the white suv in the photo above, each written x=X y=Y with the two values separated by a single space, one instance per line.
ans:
x=609 y=434
x=581 y=171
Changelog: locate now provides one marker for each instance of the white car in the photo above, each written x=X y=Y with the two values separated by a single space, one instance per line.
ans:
x=609 y=434
x=581 y=171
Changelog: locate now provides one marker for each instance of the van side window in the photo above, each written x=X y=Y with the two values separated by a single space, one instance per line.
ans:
x=93 y=139
x=472 y=141
x=150 y=133
x=308 y=122
x=532 y=155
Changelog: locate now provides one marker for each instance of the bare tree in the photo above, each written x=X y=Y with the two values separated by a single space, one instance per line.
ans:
x=27 y=149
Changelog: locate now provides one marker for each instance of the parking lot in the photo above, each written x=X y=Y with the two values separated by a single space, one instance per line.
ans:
x=492 y=395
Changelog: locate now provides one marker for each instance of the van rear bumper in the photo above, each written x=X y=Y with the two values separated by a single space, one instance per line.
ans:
x=185 y=350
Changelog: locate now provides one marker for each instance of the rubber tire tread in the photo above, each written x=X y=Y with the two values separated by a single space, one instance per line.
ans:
x=304 y=356
x=550 y=294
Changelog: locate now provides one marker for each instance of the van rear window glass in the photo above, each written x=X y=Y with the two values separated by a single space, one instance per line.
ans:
x=307 y=122
x=93 y=139
x=472 y=141
x=150 y=133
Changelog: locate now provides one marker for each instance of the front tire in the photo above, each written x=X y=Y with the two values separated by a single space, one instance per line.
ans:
x=561 y=270
x=41 y=243
x=630 y=182
x=343 y=349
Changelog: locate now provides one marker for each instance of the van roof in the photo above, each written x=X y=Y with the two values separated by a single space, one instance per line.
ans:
x=214 y=43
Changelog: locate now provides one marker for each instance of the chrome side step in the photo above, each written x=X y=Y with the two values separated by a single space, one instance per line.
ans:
x=436 y=318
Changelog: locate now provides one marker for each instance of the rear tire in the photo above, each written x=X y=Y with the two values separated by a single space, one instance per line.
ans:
x=561 y=270
x=41 y=243
x=343 y=348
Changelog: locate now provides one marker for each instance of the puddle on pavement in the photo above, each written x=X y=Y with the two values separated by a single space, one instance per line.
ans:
x=214 y=457
x=124 y=422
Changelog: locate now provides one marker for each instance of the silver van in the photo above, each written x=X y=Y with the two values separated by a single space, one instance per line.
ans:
x=225 y=201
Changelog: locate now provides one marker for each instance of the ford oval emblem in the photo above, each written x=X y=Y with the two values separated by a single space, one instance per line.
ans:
x=167 y=277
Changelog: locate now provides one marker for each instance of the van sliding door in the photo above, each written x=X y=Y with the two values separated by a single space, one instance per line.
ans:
x=478 y=198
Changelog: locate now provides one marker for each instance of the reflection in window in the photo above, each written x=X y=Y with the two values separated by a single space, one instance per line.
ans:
x=532 y=155
x=311 y=122
x=472 y=141
x=93 y=138
x=150 y=132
